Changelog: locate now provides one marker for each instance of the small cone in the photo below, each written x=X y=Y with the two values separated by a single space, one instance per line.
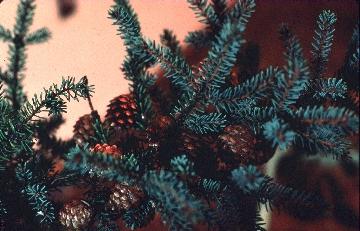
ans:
x=83 y=128
x=124 y=197
x=75 y=215
x=121 y=112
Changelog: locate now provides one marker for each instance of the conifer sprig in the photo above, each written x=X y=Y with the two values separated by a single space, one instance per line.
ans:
x=51 y=99
x=323 y=38
x=18 y=40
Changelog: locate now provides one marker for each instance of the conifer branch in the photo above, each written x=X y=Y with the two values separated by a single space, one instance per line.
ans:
x=176 y=68
x=204 y=11
x=38 y=36
x=339 y=117
x=50 y=100
x=5 y=34
x=323 y=38
x=292 y=84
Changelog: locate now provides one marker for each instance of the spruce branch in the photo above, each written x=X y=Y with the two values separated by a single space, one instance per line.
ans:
x=323 y=38
x=38 y=36
x=178 y=208
x=87 y=163
x=140 y=216
x=353 y=52
x=331 y=88
x=168 y=39
x=291 y=85
x=126 y=20
x=136 y=62
x=342 y=118
x=205 y=123
x=219 y=6
x=242 y=11
x=181 y=165
x=326 y=140
x=51 y=100
x=199 y=38
x=255 y=184
x=279 y=133
x=204 y=11
x=38 y=198
x=24 y=18
x=221 y=57
x=237 y=98
x=5 y=34
x=176 y=68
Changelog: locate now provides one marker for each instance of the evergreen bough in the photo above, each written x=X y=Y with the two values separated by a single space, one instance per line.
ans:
x=282 y=105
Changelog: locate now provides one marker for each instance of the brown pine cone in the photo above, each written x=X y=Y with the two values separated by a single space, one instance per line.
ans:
x=239 y=140
x=75 y=215
x=192 y=143
x=121 y=111
x=112 y=150
x=83 y=128
x=124 y=197
x=245 y=145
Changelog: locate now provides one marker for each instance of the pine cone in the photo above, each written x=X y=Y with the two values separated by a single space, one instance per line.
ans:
x=239 y=140
x=247 y=147
x=83 y=128
x=107 y=149
x=192 y=143
x=121 y=111
x=124 y=197
x=75 y=215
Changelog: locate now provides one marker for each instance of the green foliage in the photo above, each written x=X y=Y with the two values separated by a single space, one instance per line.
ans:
x=35 y=192
x=291 y=85
x=176 y=68
x=137 y=60
x=90 y=164
x=18 y=39
x=279 y=104
x=179 y=209
x=5 y=34
x=323 y=38
x=28 y=175
x=206 y=123
x=51 y=99
x=331 y=88
x=341 y=118
x=279 y=133
x=140 y=216
x=204 y=11
x=39 y=36
x=168 y=39
x=181 y=165
x=221 y=57
x=182 y=171
x=38 y=198
x=248 y=179
x=210 y=186
x=256 y=88
x=199 y=38
x=251 y=181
